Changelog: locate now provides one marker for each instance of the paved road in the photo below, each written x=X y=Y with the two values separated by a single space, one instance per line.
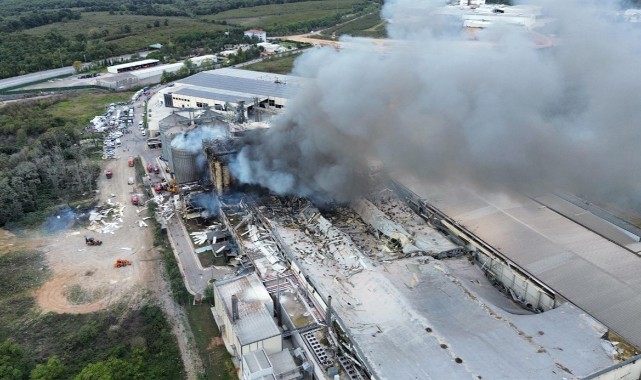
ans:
x=34 y=77
x=195 y=276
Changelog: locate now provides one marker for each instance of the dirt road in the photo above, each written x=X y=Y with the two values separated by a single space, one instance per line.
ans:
x=84 y=279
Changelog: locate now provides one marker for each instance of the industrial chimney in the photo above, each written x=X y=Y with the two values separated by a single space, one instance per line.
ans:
x=234 y=308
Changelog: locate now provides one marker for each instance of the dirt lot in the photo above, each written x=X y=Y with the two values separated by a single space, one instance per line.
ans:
x=85 y=279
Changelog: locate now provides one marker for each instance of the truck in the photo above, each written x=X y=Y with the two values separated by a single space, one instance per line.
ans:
x=108 y=173
x=130 y=161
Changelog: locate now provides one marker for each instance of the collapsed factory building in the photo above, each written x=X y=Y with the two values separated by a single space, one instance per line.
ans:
x=409 y=281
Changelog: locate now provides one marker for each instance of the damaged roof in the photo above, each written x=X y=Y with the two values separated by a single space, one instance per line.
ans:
x=590 y=271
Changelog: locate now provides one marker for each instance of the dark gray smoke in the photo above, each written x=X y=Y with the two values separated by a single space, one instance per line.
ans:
x=501 y=109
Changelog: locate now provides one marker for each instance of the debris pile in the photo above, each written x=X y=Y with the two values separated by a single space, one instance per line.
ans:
x=106 y=219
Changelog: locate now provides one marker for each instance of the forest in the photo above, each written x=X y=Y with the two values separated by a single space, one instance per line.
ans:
x=42 y=162
x=61 y=32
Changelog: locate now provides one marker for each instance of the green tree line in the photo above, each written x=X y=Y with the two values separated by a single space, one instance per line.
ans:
x=41 y=161
x=94 y=353
x=38 y=18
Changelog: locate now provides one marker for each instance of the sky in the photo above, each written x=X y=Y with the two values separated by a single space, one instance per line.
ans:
x=497 y=112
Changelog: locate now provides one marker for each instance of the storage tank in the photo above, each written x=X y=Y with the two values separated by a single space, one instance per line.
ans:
x=185 y=165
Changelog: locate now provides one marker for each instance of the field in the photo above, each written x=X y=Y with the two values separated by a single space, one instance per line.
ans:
x=139 y=339
x=217 y=360
x=84 y=108
x=142 y=30
x=267 y=16
x=278 y=65
x=370 y=25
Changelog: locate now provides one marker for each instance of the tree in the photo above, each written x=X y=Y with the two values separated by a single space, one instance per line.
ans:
x=13 y=362
x=112 y=369
x=77 y=66
x=52 y=370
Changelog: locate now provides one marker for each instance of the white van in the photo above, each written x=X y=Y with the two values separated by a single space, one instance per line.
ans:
x=117 y=142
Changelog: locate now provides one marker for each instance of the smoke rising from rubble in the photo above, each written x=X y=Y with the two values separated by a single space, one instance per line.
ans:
x=498 y=111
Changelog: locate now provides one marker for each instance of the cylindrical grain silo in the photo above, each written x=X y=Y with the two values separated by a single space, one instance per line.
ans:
x=185 y=165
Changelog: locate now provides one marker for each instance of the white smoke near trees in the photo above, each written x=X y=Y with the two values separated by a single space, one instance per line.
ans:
x=499 y=110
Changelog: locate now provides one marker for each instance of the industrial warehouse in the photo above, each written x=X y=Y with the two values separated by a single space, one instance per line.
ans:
x=409 y=281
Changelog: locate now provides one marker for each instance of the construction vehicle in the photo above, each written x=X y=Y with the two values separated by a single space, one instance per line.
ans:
x=119 y=263
x=108 y=173
x=170 y=186
x=92 y=241
x=130 y=161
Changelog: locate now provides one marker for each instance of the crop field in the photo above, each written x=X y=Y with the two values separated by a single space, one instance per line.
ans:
x=142 y=31
x=265 y=16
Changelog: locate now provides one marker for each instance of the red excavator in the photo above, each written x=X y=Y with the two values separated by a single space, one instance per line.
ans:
x=121 y=263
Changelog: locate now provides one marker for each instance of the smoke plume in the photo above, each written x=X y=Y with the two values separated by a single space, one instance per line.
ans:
x=192 y=141
x=506 y=107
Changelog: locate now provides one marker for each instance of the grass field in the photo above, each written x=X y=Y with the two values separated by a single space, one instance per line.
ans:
x=140 y=36
x=265 y=16
x=370 y=25
x=85 y=106
x=215 y=356
x=278 y=65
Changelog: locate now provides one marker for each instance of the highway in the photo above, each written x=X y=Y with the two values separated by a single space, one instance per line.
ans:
x=34 y=77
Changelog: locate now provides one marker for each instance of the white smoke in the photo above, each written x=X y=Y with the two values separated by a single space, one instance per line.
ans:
x=499 y=110
x=192 y=141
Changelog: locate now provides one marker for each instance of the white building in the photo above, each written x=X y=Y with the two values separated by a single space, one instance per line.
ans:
x=244 y=313
x=260 y=34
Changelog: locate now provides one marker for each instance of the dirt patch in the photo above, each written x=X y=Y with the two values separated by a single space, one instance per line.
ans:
x=9 y=242
x=215 y=342
x=84 y=278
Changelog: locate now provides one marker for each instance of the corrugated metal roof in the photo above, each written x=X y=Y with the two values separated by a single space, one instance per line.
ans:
x=597 y=275
x=255 y=321
x=209 y=79
x=133 y=64
x=213 y=95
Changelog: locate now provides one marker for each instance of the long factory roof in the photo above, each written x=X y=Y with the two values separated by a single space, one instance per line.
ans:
x=592 y=272
x=240 y=84
x=213 y=95
x=426 y=319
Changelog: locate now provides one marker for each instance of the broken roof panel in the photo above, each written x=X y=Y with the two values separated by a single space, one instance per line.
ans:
x=590 y=271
